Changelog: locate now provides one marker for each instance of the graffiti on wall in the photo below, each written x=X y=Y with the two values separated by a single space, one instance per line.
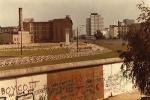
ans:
x=25 y=88
x=114 y=82
x=77 y=84
x=80 y=84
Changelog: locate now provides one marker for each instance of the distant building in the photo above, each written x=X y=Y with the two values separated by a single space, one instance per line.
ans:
x=11 y=35
x=113 y=31
x=50 y=31
x=94 y=23
x=88 y=26
x=60 y=28
x=106 y=33
x=128 y=21
x=29 y=31
x=135 y=27
x=12 y=29
x=40 y=31
x=123 y=27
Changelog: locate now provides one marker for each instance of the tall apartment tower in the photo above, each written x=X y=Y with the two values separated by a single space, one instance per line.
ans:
x=94 y=23
x=88 y=25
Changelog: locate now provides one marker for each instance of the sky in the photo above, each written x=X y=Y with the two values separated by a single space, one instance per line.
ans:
x=79 y=10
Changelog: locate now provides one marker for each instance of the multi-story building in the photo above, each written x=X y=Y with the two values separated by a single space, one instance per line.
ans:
x=60 y=28
x=123 y=27
x=40 y=31
x=50 y=31
x=113 y=31
x=94 y=23
x=29 y=31
x=88 y=29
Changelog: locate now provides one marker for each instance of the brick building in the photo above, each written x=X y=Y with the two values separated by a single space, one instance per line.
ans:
x=50 y=31
x=40 y=31
x=60 y=26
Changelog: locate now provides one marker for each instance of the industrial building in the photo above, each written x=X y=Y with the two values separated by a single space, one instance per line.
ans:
x=29 y=31
x=15 y=35
x=50 y=31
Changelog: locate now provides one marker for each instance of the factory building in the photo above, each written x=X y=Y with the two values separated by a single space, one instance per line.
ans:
x=29 y=31
x=50 y=31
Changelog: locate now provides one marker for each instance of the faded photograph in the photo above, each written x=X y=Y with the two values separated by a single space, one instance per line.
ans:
x=74 y=49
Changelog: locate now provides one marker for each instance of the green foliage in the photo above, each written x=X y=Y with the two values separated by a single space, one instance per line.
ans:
x=137 y=57
x=99 y=35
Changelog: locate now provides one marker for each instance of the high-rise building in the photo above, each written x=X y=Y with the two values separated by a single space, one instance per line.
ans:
x=88 y=21
x=94 y=23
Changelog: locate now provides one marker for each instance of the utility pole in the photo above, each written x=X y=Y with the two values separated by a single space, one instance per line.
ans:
x=77 y=41
x=21 y=42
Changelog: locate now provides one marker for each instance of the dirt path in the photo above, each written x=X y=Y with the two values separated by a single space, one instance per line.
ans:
x=126 y=96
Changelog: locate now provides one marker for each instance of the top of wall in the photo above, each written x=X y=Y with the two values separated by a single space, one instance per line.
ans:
x=56 y=67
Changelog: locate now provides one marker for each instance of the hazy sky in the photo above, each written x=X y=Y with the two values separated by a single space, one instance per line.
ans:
x=79 y=10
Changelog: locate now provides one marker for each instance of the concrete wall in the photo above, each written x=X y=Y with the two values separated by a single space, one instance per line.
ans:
x=114 y=82
x=26 y=37
x=78 y=84
x=86 y=80
x=24 y=88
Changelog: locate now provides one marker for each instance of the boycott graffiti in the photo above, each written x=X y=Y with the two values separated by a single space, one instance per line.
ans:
x=24 y=88
x=19 y=89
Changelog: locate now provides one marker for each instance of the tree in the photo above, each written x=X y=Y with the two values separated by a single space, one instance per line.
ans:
x=136 y=59
x=99 y=35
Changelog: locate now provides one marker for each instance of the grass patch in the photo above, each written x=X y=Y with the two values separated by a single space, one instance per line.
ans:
x=115 y=45
x=37 y=52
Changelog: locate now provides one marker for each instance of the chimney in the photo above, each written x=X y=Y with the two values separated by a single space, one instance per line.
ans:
x=20 y=20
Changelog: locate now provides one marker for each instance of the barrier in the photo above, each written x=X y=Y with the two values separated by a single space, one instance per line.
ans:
x=70 y=81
